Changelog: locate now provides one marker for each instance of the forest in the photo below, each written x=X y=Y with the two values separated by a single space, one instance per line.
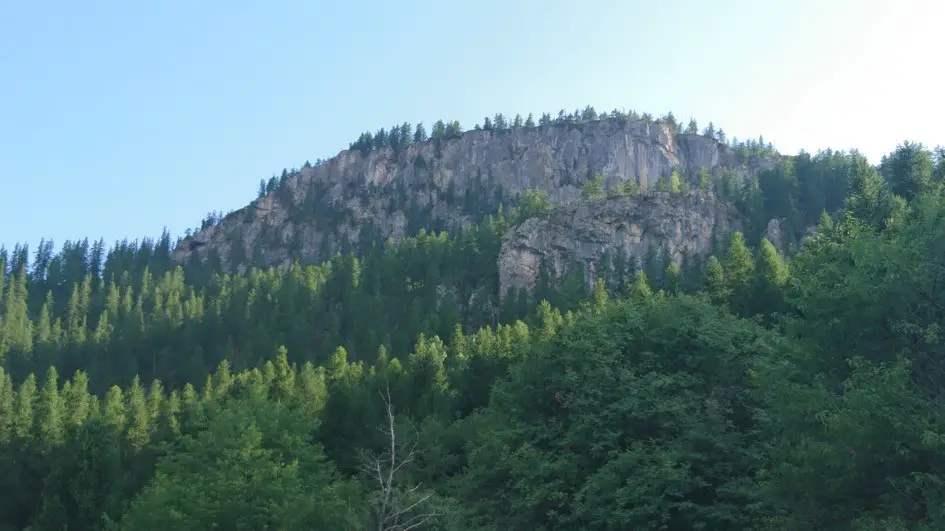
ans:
x=393 y=389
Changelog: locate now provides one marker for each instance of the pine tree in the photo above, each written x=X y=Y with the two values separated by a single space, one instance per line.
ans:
x=547 y=325
x=909 y=170
x=113 y=408
x=313 y=391
x=705 y=181
x=3 y=271
x=51 y=414
x=138 y=416
x=640 y=289
x=16 y=333
x=771 y=276
x=7 y=407
x=44 y=325
x=222 y=379
x=75 y=317
x=420 y=133
x=285 y=374
x=25 y=407
x=208 y=393
x=714 y=284
x=103 y=330
x=709 y=131
x=337 y=365
x=191 y=409
x=405 y=138
x=155 y=402
x=594 y=188
x=672 y=278
x=599 y=298
x=78 y=403
x=170 y=413
x=739 y=267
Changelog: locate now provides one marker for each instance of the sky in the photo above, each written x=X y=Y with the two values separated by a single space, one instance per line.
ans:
x=118 y=119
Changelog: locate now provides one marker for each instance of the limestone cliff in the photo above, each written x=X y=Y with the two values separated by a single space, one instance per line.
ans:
x=355 y=198
x=585 y=230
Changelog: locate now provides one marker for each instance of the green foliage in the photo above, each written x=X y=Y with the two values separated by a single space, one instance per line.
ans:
x=620 y=420
x=594 y=188
x=672 y=183
x=909 y=170
x=630 y=187
x=705 y=180
x=252 y=468
x=788 y=392
x=533 y=203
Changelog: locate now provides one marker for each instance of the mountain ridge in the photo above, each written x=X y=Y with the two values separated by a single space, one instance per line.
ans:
x=362 y=196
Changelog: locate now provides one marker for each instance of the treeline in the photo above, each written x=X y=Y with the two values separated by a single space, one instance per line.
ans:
x=398 y=137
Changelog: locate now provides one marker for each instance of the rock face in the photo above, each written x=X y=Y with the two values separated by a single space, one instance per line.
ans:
x=356 y=198
x=584 y=230
x=775 y=233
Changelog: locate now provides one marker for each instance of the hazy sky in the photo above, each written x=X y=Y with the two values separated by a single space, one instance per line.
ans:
x=119 y=118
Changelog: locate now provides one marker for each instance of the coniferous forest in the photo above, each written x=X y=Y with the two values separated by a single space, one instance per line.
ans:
x=393 y=389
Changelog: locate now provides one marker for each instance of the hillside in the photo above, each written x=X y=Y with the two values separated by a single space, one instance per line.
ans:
x=364 y=196
x=618 y=330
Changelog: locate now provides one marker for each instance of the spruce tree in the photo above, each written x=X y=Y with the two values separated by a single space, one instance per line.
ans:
x=51 y=414
x=113 y=408
x=771 y=275
x=739 y=271
x=78 y=403
x=16 y=329
x=139 y=424
x=25 y=407
x=714 y=283
x=312 y=388
x=640 y=290
x=170 y=413
x=155 y=402
x=672 y=278
x=7 y=406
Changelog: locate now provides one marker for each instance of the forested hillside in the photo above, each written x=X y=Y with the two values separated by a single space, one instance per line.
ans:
x=391 y=387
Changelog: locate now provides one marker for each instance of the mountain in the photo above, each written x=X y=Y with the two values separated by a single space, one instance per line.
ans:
x=584 y=324
x=364 y=196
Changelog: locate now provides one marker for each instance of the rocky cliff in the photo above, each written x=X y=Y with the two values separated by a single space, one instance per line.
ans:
x=682 y=222
x=355 y=198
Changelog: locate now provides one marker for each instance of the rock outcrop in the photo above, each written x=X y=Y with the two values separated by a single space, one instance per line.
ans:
x=446 y=183
x=585 y=230
x=775 y=232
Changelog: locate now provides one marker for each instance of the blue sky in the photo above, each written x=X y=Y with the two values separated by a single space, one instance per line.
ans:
x=119 y=118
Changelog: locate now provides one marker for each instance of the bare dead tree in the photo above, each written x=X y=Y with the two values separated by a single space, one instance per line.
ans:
x=396 y=508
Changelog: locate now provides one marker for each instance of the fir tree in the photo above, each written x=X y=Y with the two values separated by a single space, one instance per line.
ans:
x=51 y=414
x=25 y=407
